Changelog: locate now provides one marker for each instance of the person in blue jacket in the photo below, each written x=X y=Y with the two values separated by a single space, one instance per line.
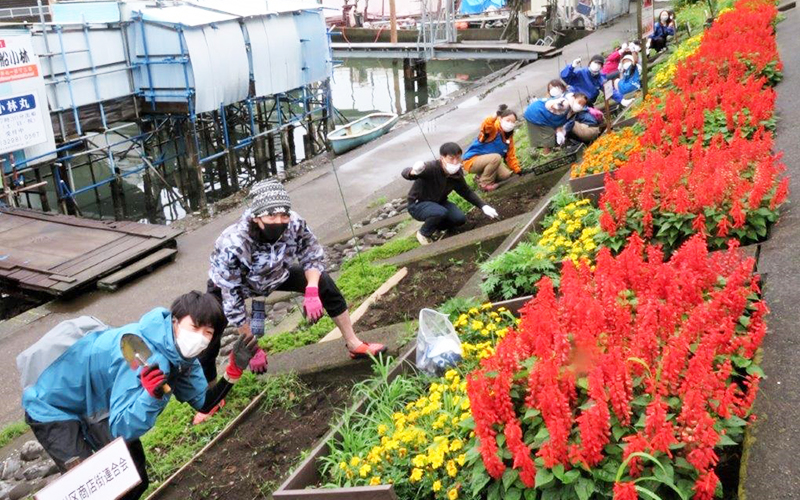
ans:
x=543 y=117
x=661 y=30
x=89 y=395
x=629 y=80
x=587 y=81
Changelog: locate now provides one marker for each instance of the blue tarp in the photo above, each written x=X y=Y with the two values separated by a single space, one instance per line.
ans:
x=478 y=6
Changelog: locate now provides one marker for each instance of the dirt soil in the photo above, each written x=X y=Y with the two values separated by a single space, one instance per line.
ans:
x=251 y=462
x=507 y=206
x=428 y=284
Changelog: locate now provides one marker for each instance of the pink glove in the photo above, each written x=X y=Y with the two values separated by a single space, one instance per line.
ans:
x=258 y=363
x=312 y=304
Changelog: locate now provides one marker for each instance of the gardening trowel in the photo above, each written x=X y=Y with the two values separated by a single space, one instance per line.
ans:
x=135 y=352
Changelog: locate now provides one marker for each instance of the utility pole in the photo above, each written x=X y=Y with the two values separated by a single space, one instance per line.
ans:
x=643 y=11
x=393 y=20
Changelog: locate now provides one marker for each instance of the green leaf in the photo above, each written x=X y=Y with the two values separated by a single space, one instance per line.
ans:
x=494 y=491
x=530 y=493
x=544 y=477
x=725 y=440
x=479 y=482
x=513 y=494
x=510 y=476
x=755 y=370
x=571 y=476
x=584 y=488
x=618 y=431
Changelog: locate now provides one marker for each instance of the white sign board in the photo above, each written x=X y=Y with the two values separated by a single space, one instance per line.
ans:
x=22 y=122
x=108 y=474
x=648 y=15
x=24 y=116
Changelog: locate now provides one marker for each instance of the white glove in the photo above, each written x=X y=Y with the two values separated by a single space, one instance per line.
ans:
x=418 y=168
x=576 y=62
x=560 y=137
x=626 y=102
x=490 y=212
x=623 y=47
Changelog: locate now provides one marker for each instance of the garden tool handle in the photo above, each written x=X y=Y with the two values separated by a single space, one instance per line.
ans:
x=166 y=388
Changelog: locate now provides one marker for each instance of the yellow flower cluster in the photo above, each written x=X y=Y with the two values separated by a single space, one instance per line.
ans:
x=568 y=236
x=423 y=444
x=666 y=73
x=609 y=152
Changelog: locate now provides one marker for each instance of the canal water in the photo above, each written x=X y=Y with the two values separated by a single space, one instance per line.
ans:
x=363 y=86
x=358 y=87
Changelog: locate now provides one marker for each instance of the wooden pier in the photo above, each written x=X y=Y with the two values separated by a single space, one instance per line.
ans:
x=58 y=254
x=444 y=51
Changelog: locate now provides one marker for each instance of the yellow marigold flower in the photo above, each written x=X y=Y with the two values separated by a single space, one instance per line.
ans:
x=473 y=311
x=364 y=470
x=354 y=461
x=449 y=374
x=420 y=461
x=461 y=459
x=456 y=445
x=437 y=485
x=465 y=405
x=416 y=475
x=381 y=429
x=375 y=481
x=476 y=324
x=343 y=465
x=452 y=494
x=451 y=468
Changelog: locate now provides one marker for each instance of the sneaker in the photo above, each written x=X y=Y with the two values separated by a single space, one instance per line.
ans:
x=423 y=240
x=257 y=318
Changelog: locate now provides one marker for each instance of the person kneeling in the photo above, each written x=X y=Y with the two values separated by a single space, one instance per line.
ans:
x=88 y=395
x=433 y=182
x=495 y=143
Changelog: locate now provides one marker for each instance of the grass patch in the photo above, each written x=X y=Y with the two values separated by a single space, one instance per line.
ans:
x=460 y=202
x=360 y=277
x=377 y=202
x=12 y=431
x=174 y=440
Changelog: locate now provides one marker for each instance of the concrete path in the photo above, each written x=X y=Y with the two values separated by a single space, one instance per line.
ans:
x=365 y=175
x=772 y=469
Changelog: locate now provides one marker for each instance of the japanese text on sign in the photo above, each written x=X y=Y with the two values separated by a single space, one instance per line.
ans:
x=16 y=59
x=21 y=123
x=109 y=473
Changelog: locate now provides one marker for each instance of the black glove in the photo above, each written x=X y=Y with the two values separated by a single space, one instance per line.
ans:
x=243 y=351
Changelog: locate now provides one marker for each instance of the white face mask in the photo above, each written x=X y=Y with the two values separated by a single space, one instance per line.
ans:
x=506 y=125
x=452 y=168
x=595 y=67
x=664 y=19
x=190 y=344
x=577 y=107
x=556 y=92
x=626 y=65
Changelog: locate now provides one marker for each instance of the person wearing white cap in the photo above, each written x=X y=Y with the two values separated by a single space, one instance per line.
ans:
x=629 y=80
x=271 y=248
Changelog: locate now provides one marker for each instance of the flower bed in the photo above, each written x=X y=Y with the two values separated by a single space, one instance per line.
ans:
x=608 y=152
x=707 y=165
x=628 y=379
x=571 y=231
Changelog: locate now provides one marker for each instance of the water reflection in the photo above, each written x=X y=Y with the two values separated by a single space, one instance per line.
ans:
x=363 y=86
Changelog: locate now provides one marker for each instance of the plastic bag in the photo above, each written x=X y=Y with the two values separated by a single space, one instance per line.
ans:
x=438 y=345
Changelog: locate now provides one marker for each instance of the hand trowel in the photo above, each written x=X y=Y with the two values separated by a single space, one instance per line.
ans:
x=135 y=352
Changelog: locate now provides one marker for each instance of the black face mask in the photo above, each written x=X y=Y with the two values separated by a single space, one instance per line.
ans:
x=269 y=235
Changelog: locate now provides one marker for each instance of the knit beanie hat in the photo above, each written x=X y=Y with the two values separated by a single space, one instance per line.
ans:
x=269 y=197
x=597 y=58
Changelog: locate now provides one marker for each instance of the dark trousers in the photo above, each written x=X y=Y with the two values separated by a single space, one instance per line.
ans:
x=658 y=43
x=332 y=300
x=436 y=216
x=68 y=439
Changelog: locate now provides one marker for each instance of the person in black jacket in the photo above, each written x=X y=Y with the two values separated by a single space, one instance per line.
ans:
x=433 y=182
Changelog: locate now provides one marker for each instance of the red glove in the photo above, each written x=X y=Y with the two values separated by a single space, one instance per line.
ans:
x=258 y=363
x=312 y=304
x=153 y=381
x=243 y=351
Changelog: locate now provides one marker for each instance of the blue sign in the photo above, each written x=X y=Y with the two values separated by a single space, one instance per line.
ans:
x=17 y=104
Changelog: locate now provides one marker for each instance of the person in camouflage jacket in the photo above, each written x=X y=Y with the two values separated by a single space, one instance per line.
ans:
x=271 y=248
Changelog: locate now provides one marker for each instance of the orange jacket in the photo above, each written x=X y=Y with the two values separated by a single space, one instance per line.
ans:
x=488 y=133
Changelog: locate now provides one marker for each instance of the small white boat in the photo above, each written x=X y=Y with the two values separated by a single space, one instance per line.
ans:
x=361 y=131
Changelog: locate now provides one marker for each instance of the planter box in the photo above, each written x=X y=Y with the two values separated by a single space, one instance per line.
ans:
x=588 y=182
x=301 y=484
x=556 y=163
